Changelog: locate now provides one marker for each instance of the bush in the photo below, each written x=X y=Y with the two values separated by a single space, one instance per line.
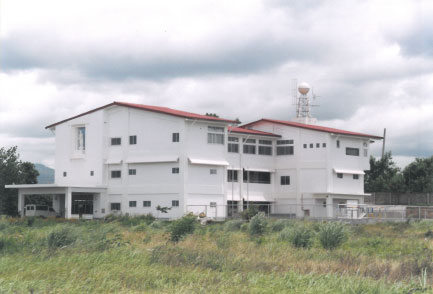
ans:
x=181 y=227
x=248 y=213
x=233 y=225
x=332 y=235
x=245 y=227
x=258 y=224
x=279 y=225
x=60 y=237
x=300 y=237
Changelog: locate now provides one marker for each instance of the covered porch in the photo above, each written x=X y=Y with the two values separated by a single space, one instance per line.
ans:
x=67 y=201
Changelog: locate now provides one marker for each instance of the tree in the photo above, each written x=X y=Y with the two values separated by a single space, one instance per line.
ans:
x=212 y=114
x=418 y=176
x=13 y=171
x=384 y=176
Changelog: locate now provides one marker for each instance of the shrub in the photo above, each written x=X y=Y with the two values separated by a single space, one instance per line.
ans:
x=60 y=237
x=429 y=234
x=300 y=237
x=245 y=227
x=181 y=227
x=258 y=224
x=233 y=225
x=248 y=213
x=332 y=235
x=279 y=225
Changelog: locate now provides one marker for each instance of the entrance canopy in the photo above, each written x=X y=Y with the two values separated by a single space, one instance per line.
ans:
x=66 y=192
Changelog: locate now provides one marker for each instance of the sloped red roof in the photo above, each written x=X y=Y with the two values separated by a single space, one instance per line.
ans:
x=251 y=132
x=312 y=127
x=159 y=109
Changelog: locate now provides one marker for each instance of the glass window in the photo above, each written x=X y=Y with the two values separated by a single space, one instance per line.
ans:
x=92 y=173
x=233 y=139
x=250 y=141
x=339 y=175
x=338 y=143
x=147 y=203
x=215 y=129
x=213 y=171
x=81 y=138
x=115 y=206
x=116 y=174
x=257 y=177
x=175 y=203
x=233 y=148
x=265 y=142
x=64 y=174
x=215 y=138
x=132 y=172
x=317 y=145
x=175 y=170
x=284 y=150
x=232 y=175
x=116 y=141
x=175 y=137
x=284 y=142
x=132 y=140
x=132 y=203
x=356 y=177
x=305 y=145
x=285 y=180
x=265 y=150
x=249 y=149
x=352 y=151
x=311 y=145
x=324 y=145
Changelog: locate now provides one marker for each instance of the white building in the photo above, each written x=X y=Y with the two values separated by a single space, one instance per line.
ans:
x=130 y=158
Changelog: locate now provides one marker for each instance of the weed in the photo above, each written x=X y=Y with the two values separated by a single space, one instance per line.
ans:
x=300 y=237
x=233 y=225
x=181 y=227
x=332 y=235
x=60 y=237
x=258 y=224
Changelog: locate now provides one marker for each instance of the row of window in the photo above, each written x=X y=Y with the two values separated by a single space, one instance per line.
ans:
x=317 y=145
x=284 y=147
x=340 y=176
x=116 y=141
x=132 y=172
x=255 y=177
x=115 y=206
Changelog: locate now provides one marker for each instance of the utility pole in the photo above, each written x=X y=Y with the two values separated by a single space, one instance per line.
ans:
x=383 y=142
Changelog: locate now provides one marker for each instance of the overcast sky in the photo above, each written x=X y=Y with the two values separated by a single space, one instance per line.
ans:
x=371 y=63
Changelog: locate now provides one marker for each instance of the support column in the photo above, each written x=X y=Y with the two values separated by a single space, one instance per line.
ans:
x=21 y=202
x=68 y=203
x=329 y=207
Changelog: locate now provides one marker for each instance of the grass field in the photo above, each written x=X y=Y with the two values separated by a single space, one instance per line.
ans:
x=135 y=255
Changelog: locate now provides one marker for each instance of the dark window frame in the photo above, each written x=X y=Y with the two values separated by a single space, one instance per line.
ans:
x=132 y=203
x=352 y=151
x=133 y=140
x=175 y=137
x=116 y=174
x=285 y=180
x=232 y=176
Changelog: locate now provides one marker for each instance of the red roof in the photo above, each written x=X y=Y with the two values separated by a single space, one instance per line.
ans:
x=159 y=109
x=312 y=127
x=251 y=132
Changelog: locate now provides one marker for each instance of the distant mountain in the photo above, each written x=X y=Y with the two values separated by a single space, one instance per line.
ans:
x=46 y=174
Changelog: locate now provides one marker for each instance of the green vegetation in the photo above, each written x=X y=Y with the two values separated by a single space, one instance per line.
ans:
x=135 y=255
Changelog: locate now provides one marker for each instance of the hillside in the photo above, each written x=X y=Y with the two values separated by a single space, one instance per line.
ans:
x=46 y=174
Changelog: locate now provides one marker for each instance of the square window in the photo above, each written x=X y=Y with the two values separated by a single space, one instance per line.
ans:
x=116 y=174
x=115 y=206
x=116 y=141
x=213 y=171
x=356 y=177
x=132 y=172
x=285 y=180
x=147 y=204
x=175 y=170
x=175 y=137
x=64 y=174
x=91 y=173
x=324 y=145
x=233 y=148
x=305 y=145
x=317 y=145
x=339 y=175
x=175 y=203
x=132 y=203
x=311 y=145
x=249 y=149
x=232 y=175
x=132 y=140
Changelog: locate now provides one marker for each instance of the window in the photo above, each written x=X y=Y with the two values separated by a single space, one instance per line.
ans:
x=175 y=203
x=115 y=206
x=132 y=140
x=257 y=177
x=339 y=175
x=116 y=141
x=232 y=175
x=212 y=204
x=352 y=151
x=132 y=172
x=249 y=141
x=285 y=180
x=132 y=203
x=311 y=145
x=92 y=173
x=249 y=149
x=175 y=137
x=147 y=203
x=356 y=177
x=213 y=171
x=116 y=174
x=284 y=150
x=215 y=135
x=233 y=146
x=64 y=174
x=81 y=138
x=266 y=142
x=305 y=146
x=338 y=143
x=265 y=150
x=317 y=145
x=175 y=170
x=324 y=145
x=284 y=142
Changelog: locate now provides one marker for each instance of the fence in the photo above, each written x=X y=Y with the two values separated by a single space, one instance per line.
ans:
x=314 y=211
x=412 y=199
